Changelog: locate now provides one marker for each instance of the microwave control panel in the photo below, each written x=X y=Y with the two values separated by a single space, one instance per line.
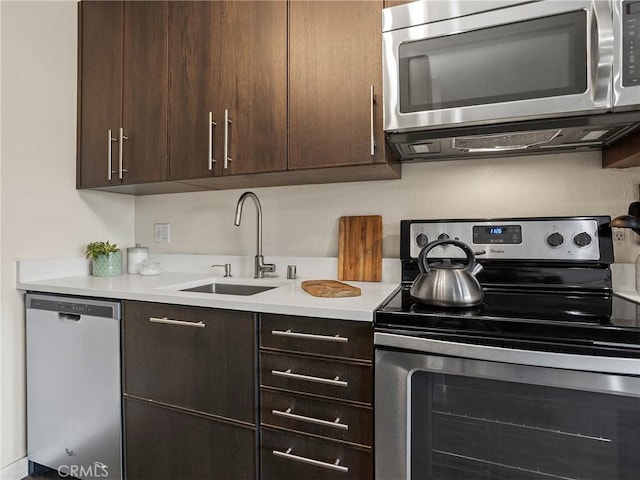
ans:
x=630 y=43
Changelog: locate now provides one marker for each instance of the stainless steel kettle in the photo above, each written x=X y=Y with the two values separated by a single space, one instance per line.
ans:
x=447 y=284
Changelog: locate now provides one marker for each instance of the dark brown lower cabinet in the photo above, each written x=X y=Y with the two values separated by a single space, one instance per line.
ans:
x=163 y=443
x=316 y=398
x=209 y=368
x=286 y=455
x=189 y=392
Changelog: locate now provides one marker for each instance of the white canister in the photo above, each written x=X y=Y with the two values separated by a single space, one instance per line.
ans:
x=135 y=257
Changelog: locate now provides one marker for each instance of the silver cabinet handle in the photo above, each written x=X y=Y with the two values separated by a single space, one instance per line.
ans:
x=333 y=466
x=327 y=423
x=176 y=322
x=121 y=140
x=212 y=160
x=227 y=122
x=373 y=136
x=310 y=336
x=110 y=140
x=297 y=376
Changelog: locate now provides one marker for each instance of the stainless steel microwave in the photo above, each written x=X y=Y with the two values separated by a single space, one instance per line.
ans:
x=491 y=77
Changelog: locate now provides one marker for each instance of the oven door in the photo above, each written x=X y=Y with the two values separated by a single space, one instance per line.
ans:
x=535 y=60
x=442 y=417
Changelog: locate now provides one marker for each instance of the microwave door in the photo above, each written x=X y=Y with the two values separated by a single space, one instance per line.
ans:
x=534 y=60
x=626 y=64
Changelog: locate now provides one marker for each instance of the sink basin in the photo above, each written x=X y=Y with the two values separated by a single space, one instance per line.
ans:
x=228 y=289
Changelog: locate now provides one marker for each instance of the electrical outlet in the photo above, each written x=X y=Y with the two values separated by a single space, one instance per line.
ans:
x=618 y=234
x=161 y=232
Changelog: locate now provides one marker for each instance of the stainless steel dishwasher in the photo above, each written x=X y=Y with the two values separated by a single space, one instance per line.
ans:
x=74 y=415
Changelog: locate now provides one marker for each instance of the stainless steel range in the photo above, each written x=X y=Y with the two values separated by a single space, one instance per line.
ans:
x=539 y=381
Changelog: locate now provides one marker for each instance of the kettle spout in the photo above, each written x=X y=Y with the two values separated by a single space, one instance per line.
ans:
x=476 y=269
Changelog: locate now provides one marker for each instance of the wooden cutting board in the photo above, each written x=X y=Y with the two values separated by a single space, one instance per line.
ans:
x=360 y=248
x=329 y=289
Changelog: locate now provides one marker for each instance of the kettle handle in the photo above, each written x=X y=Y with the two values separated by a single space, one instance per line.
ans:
x=471 y=257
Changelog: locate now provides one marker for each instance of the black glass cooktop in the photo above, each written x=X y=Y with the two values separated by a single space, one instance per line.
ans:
x=526 y=318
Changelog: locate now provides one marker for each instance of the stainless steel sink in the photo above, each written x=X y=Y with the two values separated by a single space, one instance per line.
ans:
x=228 y=289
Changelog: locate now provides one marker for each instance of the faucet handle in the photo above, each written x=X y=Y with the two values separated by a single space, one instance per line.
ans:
x=227 y=269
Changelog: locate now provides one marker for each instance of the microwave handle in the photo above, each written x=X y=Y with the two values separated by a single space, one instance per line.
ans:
x=602 y=59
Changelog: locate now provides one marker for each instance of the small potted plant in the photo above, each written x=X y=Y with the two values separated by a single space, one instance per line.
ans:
x=106 y=259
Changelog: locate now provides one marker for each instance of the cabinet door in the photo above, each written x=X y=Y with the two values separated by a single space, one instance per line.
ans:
x=195 y=96
x=163 y=444
x=100 y=84
x=209 y=368
x=254 y=72
x=334 y=60
x=145 y=90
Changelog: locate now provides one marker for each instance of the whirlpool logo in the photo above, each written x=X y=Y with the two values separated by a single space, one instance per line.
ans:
x=95 y=470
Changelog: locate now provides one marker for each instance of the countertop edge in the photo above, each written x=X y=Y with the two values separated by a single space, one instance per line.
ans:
x=287 y=298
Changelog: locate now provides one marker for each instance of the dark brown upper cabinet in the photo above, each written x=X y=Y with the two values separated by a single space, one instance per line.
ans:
x=190 y=95
x=335 y=84
x=623 y=154
x=228 y=87
x=123 y=85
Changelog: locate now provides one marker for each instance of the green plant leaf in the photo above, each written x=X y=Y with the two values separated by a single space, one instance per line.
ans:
x=95 y=249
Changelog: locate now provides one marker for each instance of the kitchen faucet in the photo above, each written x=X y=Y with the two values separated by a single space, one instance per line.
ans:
x=259 y=266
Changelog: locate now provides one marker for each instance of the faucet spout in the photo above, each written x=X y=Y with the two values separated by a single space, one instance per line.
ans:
x=239 y=206
x=259 y=266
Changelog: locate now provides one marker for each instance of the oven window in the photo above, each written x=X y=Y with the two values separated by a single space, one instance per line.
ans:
x=538 y=58
x=466 y=428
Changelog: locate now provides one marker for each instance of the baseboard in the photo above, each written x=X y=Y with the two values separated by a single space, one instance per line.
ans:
x=15 y=471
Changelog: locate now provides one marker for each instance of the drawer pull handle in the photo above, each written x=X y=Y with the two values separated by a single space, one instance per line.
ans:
x=333 y=466
x=297 y=376
x=310 y=336
x=327 y=423
x=176 y=322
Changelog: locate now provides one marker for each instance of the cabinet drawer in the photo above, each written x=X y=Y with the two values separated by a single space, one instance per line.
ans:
x=319 y=417
x=208 y=367
x=290 y=456
x=163 y=444
x=341 y=380
x=338 y=338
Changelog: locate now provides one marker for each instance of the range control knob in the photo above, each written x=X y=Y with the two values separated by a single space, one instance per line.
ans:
x=443 y=236
x=582 y=239
x=422 y=240
x=555 y=240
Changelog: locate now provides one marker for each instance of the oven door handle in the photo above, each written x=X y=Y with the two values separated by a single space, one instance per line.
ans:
x=566 y=361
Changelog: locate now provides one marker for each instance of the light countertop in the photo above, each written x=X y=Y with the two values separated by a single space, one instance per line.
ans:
x=287 y=298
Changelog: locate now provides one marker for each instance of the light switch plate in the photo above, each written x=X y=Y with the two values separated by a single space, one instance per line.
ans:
x=161 y=232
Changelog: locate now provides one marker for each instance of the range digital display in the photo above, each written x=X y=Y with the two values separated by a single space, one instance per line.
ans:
x=501 y=234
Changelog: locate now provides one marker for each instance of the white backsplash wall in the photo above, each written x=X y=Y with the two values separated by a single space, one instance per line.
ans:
x=303 y=220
